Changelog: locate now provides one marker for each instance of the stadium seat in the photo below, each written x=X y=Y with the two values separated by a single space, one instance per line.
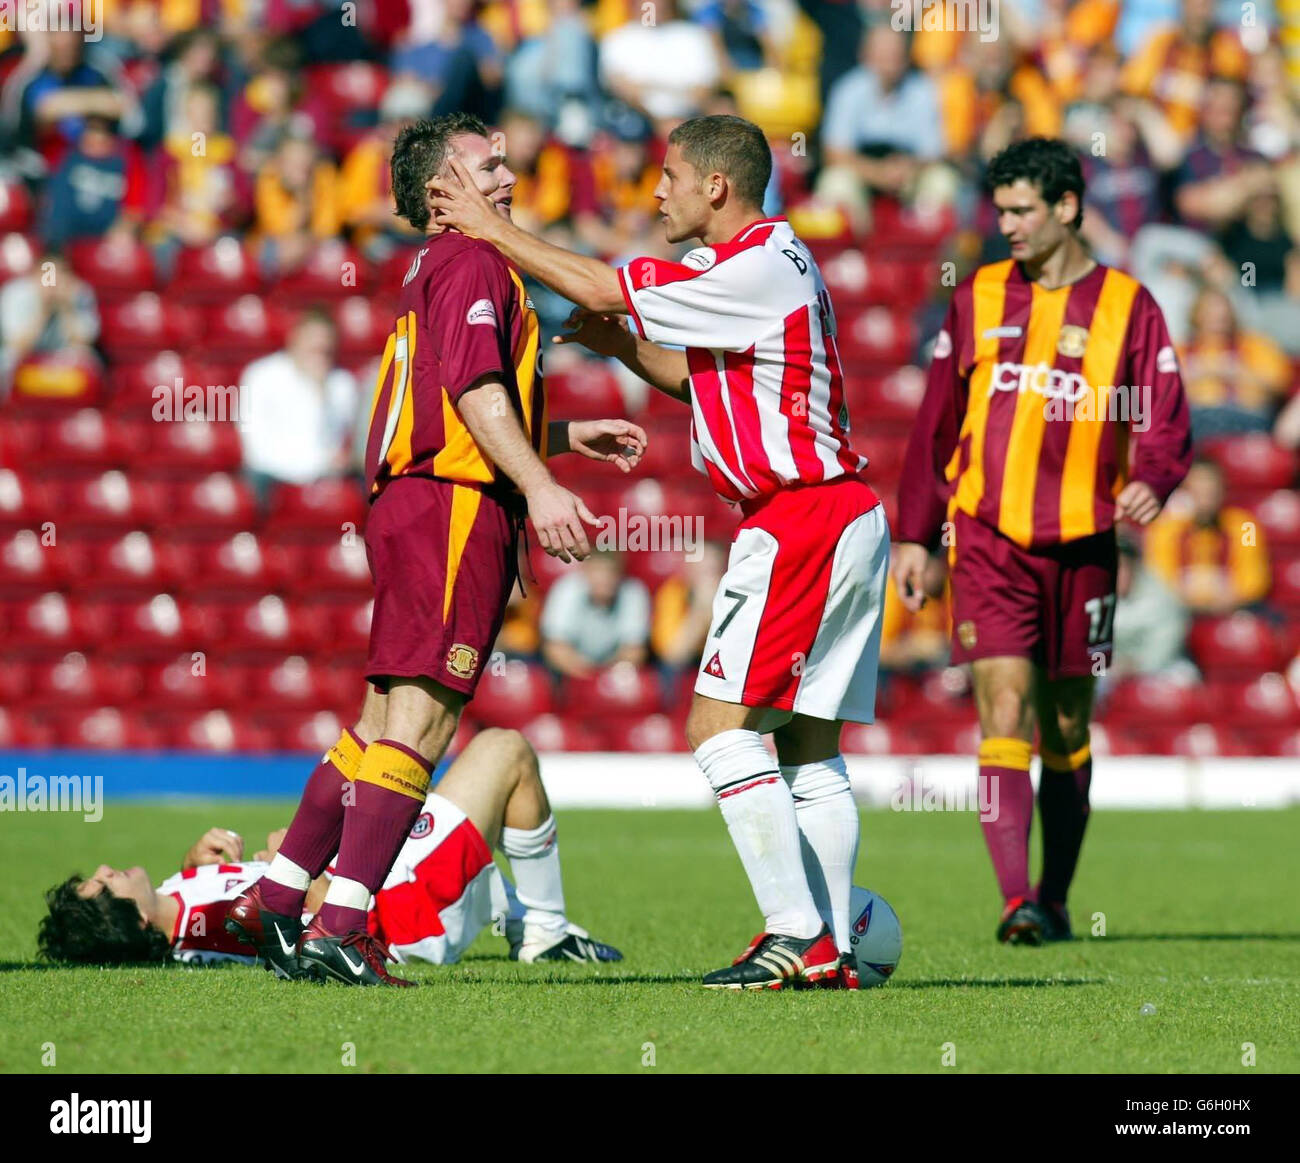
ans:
x=28 y=567
x=24 y=503
x=333 y=270
x=1268 y=701
x=1286 y=587
x=1200 y=741
x=116 y=266
x=513 y=693
x=875 y=335
x=217 y=273
x=1241 y=644
x=107 y=729
x=322 y=511
x=17 y=254
x=133 y=565
x=19 y=730
x=349 y=86
x=1153 y=699
x=1279 y=517
x=15 y=205
x=188 y=682
x=15 y=680
x=53 y=381
x=585 y=391
x=215 y=504
x=351 y=635
x=1253 y=461
x=873 y=739
x=314 y=731
x=78 y=680
x=160 y=626
x=91 y=438
x=646 y=734
x=363 y=326
x=334 y=570
x=133 y=382
x=290 y=683
x=218 y=731
x=108 y=503
x=144 y=324
x=195 y=446
x=268 y=626
x=247 y=328
x=621 y=689
x=549 y=733
x=50 y=624
x=240 y=566
x=654 y=567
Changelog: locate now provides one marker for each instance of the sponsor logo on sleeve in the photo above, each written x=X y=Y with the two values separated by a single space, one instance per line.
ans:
x=1167 y=361
x=701 y=258
x=482 y=312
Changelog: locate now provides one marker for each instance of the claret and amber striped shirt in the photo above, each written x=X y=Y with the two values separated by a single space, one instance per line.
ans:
x=1032 y=400
x=462 y=314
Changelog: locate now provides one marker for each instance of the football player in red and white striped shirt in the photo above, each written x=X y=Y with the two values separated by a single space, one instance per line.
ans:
x=795 y=638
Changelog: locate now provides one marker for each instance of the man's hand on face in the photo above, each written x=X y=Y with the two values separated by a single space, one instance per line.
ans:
x=457 y=203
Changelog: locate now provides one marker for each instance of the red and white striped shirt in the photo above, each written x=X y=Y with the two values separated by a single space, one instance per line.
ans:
x=767 y=389
x=204 y=896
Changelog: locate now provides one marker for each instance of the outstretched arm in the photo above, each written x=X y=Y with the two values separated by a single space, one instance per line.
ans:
x=457 y=203
x=665 y=368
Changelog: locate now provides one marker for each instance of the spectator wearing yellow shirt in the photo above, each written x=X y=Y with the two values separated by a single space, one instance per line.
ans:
x=683 y=609
x=295 y=203
x=912 y=642
x=1212 y=555
x=544 y=172
x=1235 y=379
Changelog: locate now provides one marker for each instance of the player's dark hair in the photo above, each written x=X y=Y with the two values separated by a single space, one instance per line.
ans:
x=419 y=153
x=1046 y=163
x=725 y=144
x=100 y=930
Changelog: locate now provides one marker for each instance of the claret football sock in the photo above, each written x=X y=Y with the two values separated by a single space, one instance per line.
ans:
x=390 y=790
x=534 y=857
x=1064 y=808
x=313 y=836
x=828 y=830
x=1006 y=797
x=759 y=811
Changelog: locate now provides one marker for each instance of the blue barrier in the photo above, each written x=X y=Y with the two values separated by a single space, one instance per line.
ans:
x=140 y=774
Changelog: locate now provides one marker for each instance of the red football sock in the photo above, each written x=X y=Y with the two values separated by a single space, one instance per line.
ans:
x=313 y=836
x=1064 y=808
x=1004 y=785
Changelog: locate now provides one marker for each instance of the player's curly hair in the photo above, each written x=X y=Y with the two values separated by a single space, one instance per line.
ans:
x=98 y=930
x=419 y=152
x=1046 y=163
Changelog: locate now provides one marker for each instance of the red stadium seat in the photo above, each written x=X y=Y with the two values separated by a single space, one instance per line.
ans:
x=1279 y=516
x=109 y=503
x=17 y=255
x=27 y=567
x=350 y=86
x=333 y=270
x=51 y=624
x=160 y=626
x=1200 y=741
x=550 y=733
x=134 y=565
x=585 y=391
x=654 y=567
x=351 y=627
x=335 y=570
x=15 y=205
x=1154 y=699
x=290 y=683
x=218 y=731
x=240 y=566
x=15 y=681
x=322 y=511
x=75 y=680
x=874 y=739
x=1241 y=644
x=91 y=438
x=270 y=626
x=314 y=731
x=363 y=326
x=108 y=729
x=204 y=682
x=513 y=694
x=195 y=446
x=1268 y=701
x=20 y=730
x=24 y=503
x=215 y=504
x=621 y=689
x=116 y=266
x=145 y=324
x=216 y=273
x=648 y=734
x=1286 y=587
x=134 y=382
x=1253 y=462
x=53 y=381
x=246 y=329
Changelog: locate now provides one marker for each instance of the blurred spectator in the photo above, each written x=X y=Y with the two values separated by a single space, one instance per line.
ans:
x=195 y=57
x=1210 y=554
x=595 y=616
x=683 y=608
x=553 y=66
x=841 y=26
x=99 y=185
x=882 y=127
x=445 y=47
x=198 y=185
x=56 y=88
x=665 y=69
x=917 y=642
x=1177 y=63
x=1235 y=379
x=1273 y=119
x=742 y=33
x=298 y=410
x=295 y=203
x=544 y=170
x=990 y=97
x=1220 y=174
x=1265 y=257
x=1286 y=431
x=273 y=105
x=1150 y=627
x=520 y=636
x=49 y=310
x=614 y=208
x=365 y=193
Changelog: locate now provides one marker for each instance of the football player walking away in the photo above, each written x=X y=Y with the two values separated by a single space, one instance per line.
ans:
x=1054 y=408
x=456 y=454
x=795 y=638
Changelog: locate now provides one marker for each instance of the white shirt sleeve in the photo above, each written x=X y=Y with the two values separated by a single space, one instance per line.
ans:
x=726 y=305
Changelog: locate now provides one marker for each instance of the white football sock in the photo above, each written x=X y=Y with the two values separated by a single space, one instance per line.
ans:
x=759 y=811
x=534 y=857
x=347 y=894
x=828 y=830
x=284 y=871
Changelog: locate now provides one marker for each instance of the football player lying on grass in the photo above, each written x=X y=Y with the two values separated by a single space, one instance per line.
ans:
x=443 y=890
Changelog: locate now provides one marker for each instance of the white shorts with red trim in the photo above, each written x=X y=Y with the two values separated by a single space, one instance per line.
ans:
x=797 y=616
x=438 y=897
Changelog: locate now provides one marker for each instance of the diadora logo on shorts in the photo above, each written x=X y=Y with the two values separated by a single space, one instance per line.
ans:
x=863 y=923
x=423 y=825
x=482 y=312
x=1049 y=382
x=462 y=660
x=715 y=666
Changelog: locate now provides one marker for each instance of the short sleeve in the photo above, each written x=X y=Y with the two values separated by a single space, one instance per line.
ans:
x=469 y=314
x=703 y=302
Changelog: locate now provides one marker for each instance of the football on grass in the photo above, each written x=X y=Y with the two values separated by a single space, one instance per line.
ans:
x=875 y=937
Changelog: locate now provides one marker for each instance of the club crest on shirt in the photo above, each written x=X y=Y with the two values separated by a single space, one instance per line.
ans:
x=1072 y=341
x=423 y=825
x=966 y=635
x=462 y=660
x=482 y=311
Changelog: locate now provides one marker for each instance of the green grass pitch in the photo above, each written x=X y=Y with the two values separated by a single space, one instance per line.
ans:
x=1200 y=914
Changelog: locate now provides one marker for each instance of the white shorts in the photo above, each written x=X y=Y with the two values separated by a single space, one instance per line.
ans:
x=439 y=896
x=797 y=616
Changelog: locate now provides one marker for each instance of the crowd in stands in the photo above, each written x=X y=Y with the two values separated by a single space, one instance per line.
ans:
x=200 y=195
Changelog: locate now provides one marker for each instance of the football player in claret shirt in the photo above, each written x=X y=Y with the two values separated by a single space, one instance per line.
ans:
x=456 y=456
x=442 y=891
x=795 y=639
x=1054 y=408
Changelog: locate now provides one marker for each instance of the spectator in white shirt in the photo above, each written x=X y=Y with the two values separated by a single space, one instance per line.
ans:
x=595 y=617
x=299 y=410
x=49 y=310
